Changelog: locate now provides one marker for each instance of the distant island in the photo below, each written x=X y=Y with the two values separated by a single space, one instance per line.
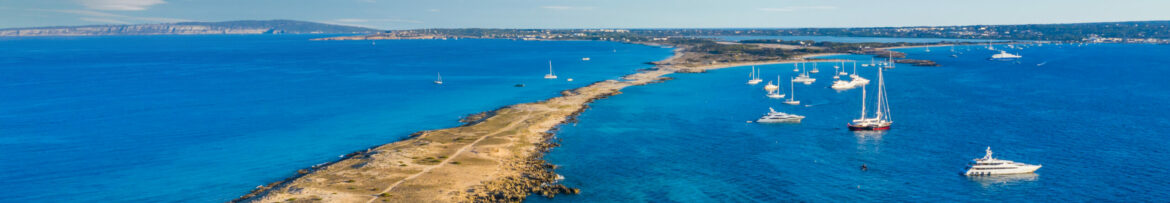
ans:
x=191 y=28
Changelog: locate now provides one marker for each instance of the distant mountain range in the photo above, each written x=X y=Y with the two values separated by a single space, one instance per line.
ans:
x=191 y=28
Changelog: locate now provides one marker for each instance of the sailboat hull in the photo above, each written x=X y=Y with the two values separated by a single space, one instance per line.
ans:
x=868 y=127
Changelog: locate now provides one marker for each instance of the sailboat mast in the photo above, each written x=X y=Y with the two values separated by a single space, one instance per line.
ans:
x=863 y=101
x=885 y=98
x=792 y=85
x=880 y=111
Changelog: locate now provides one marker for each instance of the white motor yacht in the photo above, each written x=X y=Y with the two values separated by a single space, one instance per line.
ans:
x=991 y=166
x=779 y=117
x=1004 y=56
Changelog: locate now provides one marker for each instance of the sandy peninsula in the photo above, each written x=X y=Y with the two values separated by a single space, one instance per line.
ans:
x=495 y=157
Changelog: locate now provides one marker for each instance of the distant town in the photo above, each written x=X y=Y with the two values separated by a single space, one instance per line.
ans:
x=1156 y=32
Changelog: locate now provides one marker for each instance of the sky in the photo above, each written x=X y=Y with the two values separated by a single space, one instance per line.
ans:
x=412 y=14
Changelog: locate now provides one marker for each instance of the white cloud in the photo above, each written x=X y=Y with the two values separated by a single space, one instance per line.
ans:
x=797 y=8
x=120 y=5
x=563 y=8
x=104 y=20
x=103 y=17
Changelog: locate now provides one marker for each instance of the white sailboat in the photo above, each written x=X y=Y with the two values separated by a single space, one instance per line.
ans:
x=792 y=100
x=814 y=70
x=550 y=74
x=843 y=68
x=881 y=119
x=857 y=80
x=440 y=80
x=754 y=77
x=774 y=90
x=891 y=62
x=804 y=78
x=836 y=69
x=794 y=69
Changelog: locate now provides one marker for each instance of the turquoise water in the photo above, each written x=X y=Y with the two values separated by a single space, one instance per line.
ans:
x=1093 y=116
x=208 y=118
x=849 y=39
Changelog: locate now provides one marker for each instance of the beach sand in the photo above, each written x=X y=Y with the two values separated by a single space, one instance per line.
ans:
x=495 y=159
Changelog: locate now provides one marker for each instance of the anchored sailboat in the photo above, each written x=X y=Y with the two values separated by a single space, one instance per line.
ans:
x=440 y=80
x=792 y=100
x=881 y=119
x=804 y=78
x=550 y=74
x=754 y=77
x=774 y=90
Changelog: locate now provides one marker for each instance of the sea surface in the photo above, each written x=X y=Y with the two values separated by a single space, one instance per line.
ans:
x=1094 y=116
x=848 y=39
x=208 y=118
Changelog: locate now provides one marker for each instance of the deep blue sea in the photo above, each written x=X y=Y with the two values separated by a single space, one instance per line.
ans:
x=1095 y=117
x=208 y=118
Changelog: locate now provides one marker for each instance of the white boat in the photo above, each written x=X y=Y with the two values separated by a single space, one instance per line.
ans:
x=1004 y=56
x=779 y=117
x=890 y=62
x=550 y=74
x=440 y=80
x=792 y=100
x=794 y=69
x=989 y=165
x=814 y=70
x=842 y=85
x=804 y=78
x=857 y=80
x=927 y=49
x=881 y=119
x=842 y=72
x=585 y=59
x=753 y=77
x=773 y=90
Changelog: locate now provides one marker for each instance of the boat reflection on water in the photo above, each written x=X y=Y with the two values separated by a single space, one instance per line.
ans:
x=865 y=138
x=1004 y=180
x=869 y=135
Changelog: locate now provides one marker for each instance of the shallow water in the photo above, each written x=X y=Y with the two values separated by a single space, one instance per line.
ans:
x=208 y=118
x=1093 y=116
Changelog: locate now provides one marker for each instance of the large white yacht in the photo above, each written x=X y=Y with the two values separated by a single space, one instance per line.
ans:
x=1004 y=56
x=779 y=117
x=990 y=166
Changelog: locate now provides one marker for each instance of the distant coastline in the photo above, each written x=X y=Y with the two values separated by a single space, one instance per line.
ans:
x=190 y=28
